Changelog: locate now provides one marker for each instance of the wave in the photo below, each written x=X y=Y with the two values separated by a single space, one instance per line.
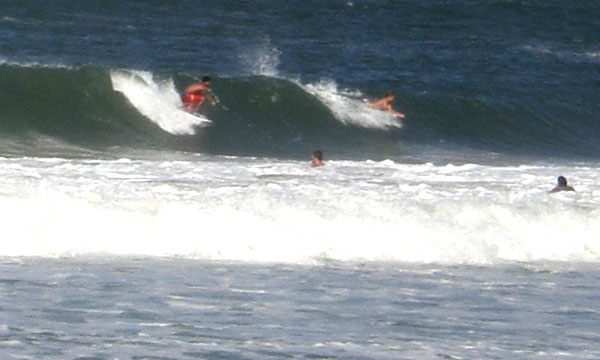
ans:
x=96 y=107
x=100 y=107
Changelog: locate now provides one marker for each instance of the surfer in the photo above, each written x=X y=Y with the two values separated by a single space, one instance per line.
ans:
x=194 y=95
x=317 y=158
x=562 y=185
x=385 y=104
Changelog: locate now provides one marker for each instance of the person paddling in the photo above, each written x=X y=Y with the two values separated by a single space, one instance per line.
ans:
x=385 y=104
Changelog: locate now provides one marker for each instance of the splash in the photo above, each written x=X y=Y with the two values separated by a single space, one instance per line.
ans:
x=262 y=59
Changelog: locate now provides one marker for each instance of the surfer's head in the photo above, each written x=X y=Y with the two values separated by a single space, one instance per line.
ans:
x=390 y=94
x=206 y=79
x=562 y=181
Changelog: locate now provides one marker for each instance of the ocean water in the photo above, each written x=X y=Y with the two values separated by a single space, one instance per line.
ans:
x=131 y=230
x=142 y=308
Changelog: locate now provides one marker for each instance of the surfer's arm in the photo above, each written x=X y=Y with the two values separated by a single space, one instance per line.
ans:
x=396 y=113
x=210 y=97
x=388 y=108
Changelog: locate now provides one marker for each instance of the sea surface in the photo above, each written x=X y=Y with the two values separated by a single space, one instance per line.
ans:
x=131 y=230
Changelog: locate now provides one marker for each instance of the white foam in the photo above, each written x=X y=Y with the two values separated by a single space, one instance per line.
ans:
x=582 y=55
x=349 y=107
x=32 y=64
x=592 y=55
x=157 y=100
x=252 y=210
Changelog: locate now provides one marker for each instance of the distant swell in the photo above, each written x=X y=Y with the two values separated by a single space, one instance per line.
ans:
x=96 y=107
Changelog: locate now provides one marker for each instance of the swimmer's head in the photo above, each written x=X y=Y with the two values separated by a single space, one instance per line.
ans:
x=318 y=154
x=562 y=181
x=317 y=158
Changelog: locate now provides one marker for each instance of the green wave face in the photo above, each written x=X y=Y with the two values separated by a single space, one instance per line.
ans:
x=94 y=107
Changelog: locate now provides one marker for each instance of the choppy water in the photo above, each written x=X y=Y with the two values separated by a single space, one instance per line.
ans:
x=98 y=308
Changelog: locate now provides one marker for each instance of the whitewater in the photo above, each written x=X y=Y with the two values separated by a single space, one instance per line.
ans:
x=268 y=210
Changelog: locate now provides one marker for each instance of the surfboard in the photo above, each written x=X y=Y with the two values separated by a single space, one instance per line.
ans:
x=195 y=118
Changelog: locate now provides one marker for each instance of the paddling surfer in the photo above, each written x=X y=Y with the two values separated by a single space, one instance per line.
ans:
x=385 y=104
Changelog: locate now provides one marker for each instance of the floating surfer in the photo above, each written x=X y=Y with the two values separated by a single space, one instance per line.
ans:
x=385 y=104
x=196 y=94
x=562 y=185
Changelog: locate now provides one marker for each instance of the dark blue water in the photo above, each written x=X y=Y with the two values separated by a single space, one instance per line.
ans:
x=510 y=77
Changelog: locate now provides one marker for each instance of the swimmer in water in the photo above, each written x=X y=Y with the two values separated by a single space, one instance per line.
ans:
x=317 y=158
x=562 y=185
